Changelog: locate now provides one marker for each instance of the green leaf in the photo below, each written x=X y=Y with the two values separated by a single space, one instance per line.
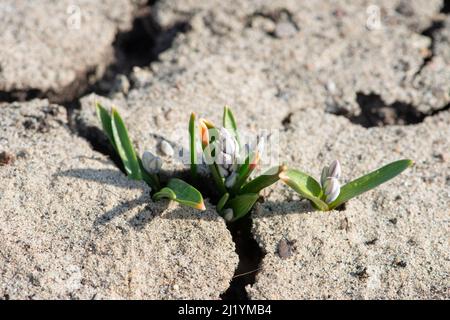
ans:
x=124 y=146
x=193 y=147
x=245 y=167
x=217 y=178
x=242 y=204
x=151 y=179
x=369 y=181
x=245 y=170
x=164 y=193
x=305 y=185
x=222 y=202
x=263 y=181
x=105 y=120
x=229 y=123
x=186 y=194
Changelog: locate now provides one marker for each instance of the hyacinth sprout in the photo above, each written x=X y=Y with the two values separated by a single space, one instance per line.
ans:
x=148 y=167
x=329 y=181
x=328 y=194
x=231 y=166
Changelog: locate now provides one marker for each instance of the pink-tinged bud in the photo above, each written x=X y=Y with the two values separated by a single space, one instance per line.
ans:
x=204 y=134
x=334 y=170
x=201 y=206
x=255 y=162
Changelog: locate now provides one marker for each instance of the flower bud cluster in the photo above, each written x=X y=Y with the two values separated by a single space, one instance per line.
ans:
x=329 y=180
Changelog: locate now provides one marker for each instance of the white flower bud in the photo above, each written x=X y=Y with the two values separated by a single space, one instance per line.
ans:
x=166 y=148
x=224 y=160
x=261 y=144
x=227 y=142
x=227 y=150
x=332 y=189
x=230 y=181
x=332 y=196
x=228 y=214
x=151 y=163
x=334 y=170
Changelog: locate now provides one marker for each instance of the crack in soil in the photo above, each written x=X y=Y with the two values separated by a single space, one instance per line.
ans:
x=446 y=7
x=286 y=121
x=376 y=113
x=436 y=24
x=61 y=96
x=250 y=257
x=138 y=46
x=429 y=32
x=18 y=95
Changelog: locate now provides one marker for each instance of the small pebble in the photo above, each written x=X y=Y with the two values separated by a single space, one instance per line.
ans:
x=285 y=248
x=331 y=86
x=228 y=214
x=263 y=23
x=166 y=148
x=176 y=287
x=285 y=30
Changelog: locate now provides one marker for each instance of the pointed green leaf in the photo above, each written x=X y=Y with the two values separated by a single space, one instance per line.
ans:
x=186 y=194
x=245 y=170
x=193 y=146
x=124 y=146
x=369 y=181
x=305 y=185
x=164 y=193
x=244 y=167
x=222 y=202
x=263 y=181
x=105 y=120
x=229 y=122
x=242 y=204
